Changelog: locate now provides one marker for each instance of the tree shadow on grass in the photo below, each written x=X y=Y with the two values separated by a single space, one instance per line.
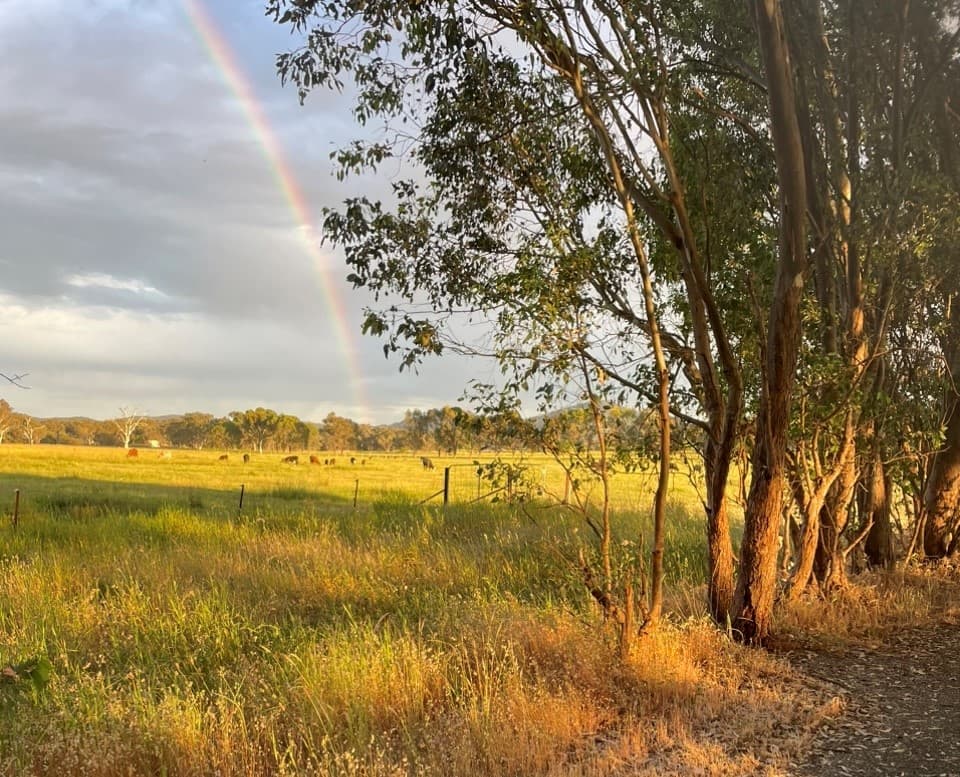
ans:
x=81 y=499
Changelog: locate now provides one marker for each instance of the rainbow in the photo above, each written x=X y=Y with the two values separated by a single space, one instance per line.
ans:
x=222 y=56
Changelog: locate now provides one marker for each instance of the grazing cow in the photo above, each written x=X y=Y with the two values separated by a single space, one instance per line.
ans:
x=427 y=463
x=326 y=461
x=363 y=462
x=332 y=462
x=314 y=459
x=224 y=457
x=246 y=458
x=132 y=453
x=353 y=460
x=290 y=460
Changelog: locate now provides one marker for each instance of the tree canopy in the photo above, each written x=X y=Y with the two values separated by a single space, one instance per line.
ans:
x=761 y=191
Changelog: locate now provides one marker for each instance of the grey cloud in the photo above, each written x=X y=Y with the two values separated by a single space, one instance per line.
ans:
x=124 y=155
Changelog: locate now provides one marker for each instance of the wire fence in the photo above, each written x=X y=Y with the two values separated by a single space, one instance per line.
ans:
x=493 y=481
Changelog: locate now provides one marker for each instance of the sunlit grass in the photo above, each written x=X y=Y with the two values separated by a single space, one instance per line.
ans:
x=306 y=636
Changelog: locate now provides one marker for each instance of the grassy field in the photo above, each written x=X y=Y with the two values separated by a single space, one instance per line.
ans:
x=155 y=631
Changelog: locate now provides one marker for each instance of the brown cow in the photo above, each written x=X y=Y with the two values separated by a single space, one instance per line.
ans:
x=427 y=463
x=290 y=460
x=224 y=457
x=132 y=453
x=246 y=458
x=314 y=459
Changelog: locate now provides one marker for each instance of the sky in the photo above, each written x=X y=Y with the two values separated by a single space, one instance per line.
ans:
x=160 y=205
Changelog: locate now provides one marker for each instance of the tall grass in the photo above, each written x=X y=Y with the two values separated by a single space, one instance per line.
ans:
x=308 y=637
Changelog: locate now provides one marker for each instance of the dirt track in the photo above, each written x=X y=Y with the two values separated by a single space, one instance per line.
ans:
x=903 y=707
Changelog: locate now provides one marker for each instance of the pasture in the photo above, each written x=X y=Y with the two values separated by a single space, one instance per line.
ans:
x=146 y=628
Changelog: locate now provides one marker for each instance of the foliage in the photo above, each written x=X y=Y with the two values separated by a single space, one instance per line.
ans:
x=6 y=418
x=192 y=430
x=256 y=426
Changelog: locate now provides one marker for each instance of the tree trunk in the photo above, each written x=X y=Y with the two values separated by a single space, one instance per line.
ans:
x=832 y=571
x=756 y=586
x=719 y=546
x=875 y=507
x=807 y=546
x=942 y=494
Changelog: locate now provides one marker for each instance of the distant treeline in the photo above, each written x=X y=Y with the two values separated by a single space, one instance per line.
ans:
x=445 y=430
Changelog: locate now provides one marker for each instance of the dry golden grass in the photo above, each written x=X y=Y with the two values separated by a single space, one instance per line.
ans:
x=873 y=605
x=310 y=638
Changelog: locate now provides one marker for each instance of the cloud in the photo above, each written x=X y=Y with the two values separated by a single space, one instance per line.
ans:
x=91 y=360
x=150 y=256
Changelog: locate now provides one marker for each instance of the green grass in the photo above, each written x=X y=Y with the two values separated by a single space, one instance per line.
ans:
x=302 y=635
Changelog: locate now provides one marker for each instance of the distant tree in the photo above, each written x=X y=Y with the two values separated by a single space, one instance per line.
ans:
x=192 y=430
x=291 y=433
x=127 y=424
x=6 y=418
x=382 y=438
x=105 y=433
x=224 y=433
x=30 y=429
x=150 y=429
x=338 y=433
x=80 y=431
x=54 y=433
x=256 y=426
x=367 y=437
x=416 y=424
x=449 y=426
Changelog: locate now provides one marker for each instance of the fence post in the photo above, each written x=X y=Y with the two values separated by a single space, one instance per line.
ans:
x=16 y=508
x=356 y=491
x=240 y=507
x=446 y=485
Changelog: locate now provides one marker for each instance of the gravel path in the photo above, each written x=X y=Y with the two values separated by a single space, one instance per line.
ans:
x=903 y=707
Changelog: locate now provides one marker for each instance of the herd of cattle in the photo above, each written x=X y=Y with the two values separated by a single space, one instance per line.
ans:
x=133 y=453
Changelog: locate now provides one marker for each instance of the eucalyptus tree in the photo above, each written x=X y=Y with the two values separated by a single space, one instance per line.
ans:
x=868 y=75
x=547 y=139
x=338 y=433
x=191 y=430
x=941 y=535
x=554 y=144
x=30 y=429
x=291 y=433
x=127 y=424
x=7 y=417
x=256 y=426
